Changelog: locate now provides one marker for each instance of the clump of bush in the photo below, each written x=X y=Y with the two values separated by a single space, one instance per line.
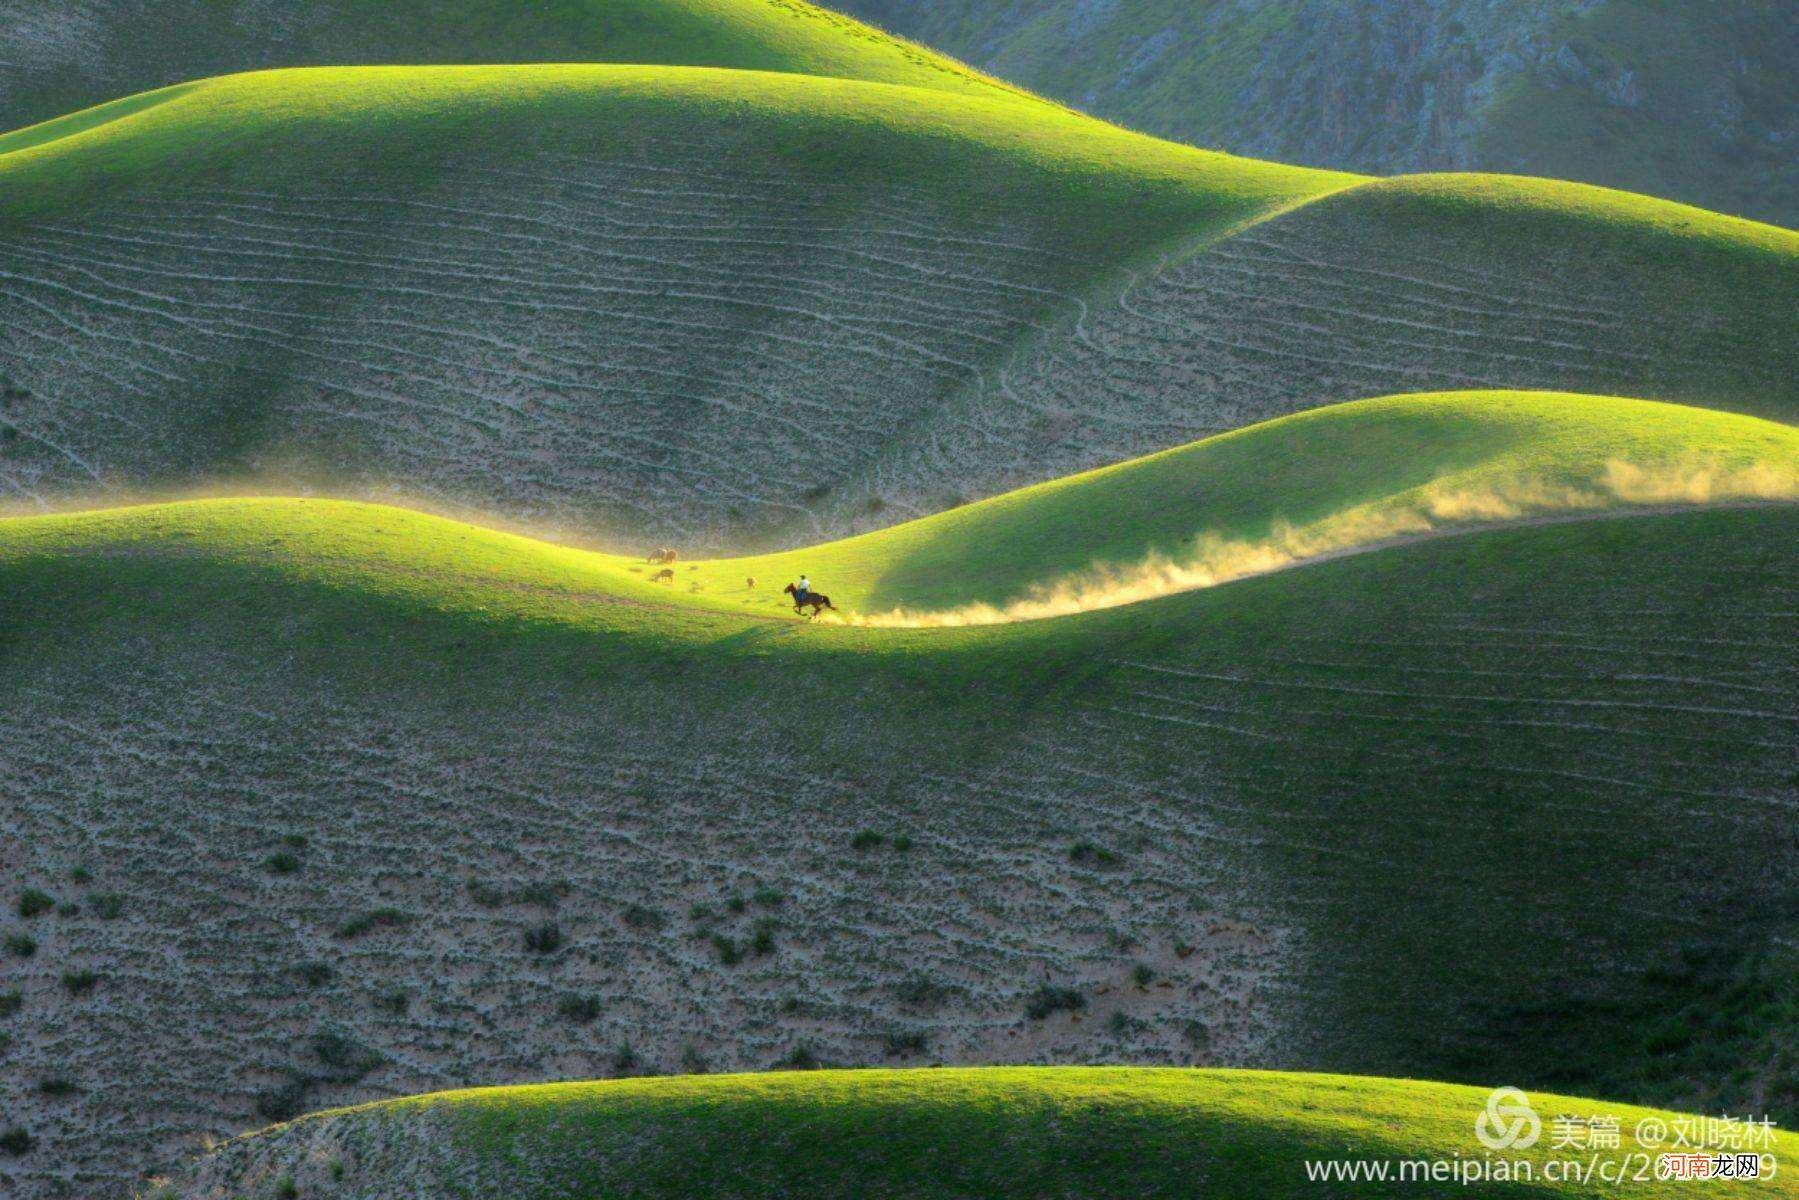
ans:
x=282 y=862
x=108 y=905
x=922 y=991
x=1089 y=854
x=378 y=918
x=21 y=945
x=729 y=952
x=315 y=974
x=639 y=916
x=1047 y=1000
x=582 y=1010
x=545 y=938
x=79 y=983
x=901 y=1042
x=15 y=1141
x=767 y=897
x=345 y=1059
x=762 y=943
x=56 y=1086
x=34 y=902
x=800 y=1058
x=11 y=1002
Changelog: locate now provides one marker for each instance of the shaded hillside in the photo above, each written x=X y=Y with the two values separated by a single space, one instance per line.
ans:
x=335 y=802
x=1692 y=101
x=730 y=309
x=1091 y=1132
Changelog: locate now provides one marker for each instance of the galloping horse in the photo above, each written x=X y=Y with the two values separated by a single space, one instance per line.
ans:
x=818 y=600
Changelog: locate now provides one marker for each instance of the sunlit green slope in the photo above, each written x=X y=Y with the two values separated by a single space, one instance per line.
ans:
x=1316 y=484
x=286 y=127
x=729 y=310
x=998 y=1132
x=70 y=60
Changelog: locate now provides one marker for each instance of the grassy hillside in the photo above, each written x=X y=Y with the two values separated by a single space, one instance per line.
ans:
x=417 y=802
x=629 y=291
x=1679 y=100
x=734 y=309
x=80 y=54
x=991 y=1133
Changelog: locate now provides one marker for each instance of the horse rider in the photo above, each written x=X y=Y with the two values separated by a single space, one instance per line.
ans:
x=802 y=590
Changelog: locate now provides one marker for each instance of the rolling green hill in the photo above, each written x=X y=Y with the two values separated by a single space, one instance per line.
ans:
x=391 y=801
x=1688 y=101
x=1093 y=1132
x=77 y=55
x=733 y=309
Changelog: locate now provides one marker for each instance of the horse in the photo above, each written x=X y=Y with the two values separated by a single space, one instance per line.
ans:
x=818 y=601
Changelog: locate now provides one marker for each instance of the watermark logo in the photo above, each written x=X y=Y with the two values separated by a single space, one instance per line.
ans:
x=1508 y=1122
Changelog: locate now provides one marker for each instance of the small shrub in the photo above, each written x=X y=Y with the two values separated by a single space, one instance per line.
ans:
x=394 y=1002
x=1047 y=1000
x=624 y=1058
x=57 y=1086
x=294 y=841
x=21 y=945
x=1142 y=976
x=11 y=1002
x=282 y=862
x=638 y=916
x=347 y=1059
x=900 y=1043
x=736 y=904
x=315 y=974
x=282 y=1101
x=582 y=1010
x=337 y=1169
x=68 y=908
x=82 y=876
x=108 y=905
x=729 y=952
x=699 y=914
x=868 y=839
x=800 y=1058
x=763 y=943
x=379 y=918
x=902 y=844
x=546 y=893
x=286 y=1188
x=15 y=1141
x=544 y=939
x=79 y=983
x=922 y=991
x=486 y=895
x=767 y=897
x=34 y=902
x=1087 y=854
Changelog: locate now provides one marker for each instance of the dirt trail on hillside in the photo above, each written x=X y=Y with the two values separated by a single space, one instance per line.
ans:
x=1433 y=512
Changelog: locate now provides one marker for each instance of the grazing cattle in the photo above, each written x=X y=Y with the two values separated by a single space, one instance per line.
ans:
x=663 y=576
